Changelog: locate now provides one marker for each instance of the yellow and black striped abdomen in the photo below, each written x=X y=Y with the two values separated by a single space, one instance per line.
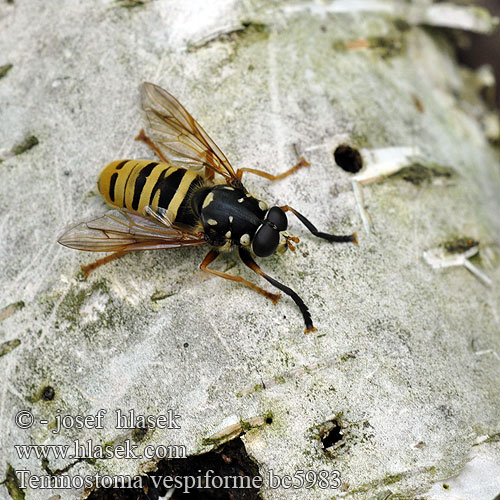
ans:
x=135 y=184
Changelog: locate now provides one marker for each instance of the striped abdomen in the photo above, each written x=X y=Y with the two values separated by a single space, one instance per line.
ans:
x=135 y=184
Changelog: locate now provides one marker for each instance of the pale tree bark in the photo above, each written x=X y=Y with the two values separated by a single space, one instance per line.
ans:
x=401 y=380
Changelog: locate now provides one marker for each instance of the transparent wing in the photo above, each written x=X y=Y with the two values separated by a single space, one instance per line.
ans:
x=179 y=137
x=121 y=230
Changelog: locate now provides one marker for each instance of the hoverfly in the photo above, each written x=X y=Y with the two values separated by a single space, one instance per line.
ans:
x=179 y=201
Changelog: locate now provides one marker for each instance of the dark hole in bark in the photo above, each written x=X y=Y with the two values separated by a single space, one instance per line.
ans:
x=48 y=393
x=228 y=461
x=333 y=436
x=348 y=158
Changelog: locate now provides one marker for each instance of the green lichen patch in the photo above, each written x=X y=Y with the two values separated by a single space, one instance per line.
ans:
x=159 y=295
x=385 y=47
x=70 y=308
x=5 y=69
x=388 y=46
x=418 y=174
x=346 y=356
x=402 y=25
x=139 y=434
x=131 y=4
x=9 y=345
x=81 y=276
x=250 y=26
x=28 y=143
x=385 y=495
x=12 y=483
x=460 y=244
x=11 y=309
x=245 y=30
x=79 y=307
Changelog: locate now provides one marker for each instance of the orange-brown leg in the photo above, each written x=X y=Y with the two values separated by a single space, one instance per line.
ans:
x=213 y=254
x=94 y=265
x=302 y=163
x=146 y=140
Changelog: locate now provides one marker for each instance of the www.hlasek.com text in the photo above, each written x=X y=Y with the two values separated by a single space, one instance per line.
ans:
x=87 y=450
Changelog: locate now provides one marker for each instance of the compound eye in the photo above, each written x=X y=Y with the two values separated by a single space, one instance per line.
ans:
x=265 y=241
x=278 y=218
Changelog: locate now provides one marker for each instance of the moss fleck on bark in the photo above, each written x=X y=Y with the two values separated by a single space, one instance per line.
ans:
x=28 y=143
x=6 y=347
x=12 y=484
x=5 y=69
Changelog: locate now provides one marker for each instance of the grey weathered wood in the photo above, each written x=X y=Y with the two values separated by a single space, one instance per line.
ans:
x=407 y=356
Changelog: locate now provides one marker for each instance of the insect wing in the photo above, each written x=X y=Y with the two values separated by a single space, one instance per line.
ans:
x=120 y=230
x=179 y=137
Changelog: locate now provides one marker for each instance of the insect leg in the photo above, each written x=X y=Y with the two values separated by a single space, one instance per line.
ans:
x=94 y=265
x=330 y=237
x=146 y=140
x=248 y=261
x=213 y=254
x=302 y=163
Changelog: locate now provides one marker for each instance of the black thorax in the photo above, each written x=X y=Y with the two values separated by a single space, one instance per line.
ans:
x=228 y=213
